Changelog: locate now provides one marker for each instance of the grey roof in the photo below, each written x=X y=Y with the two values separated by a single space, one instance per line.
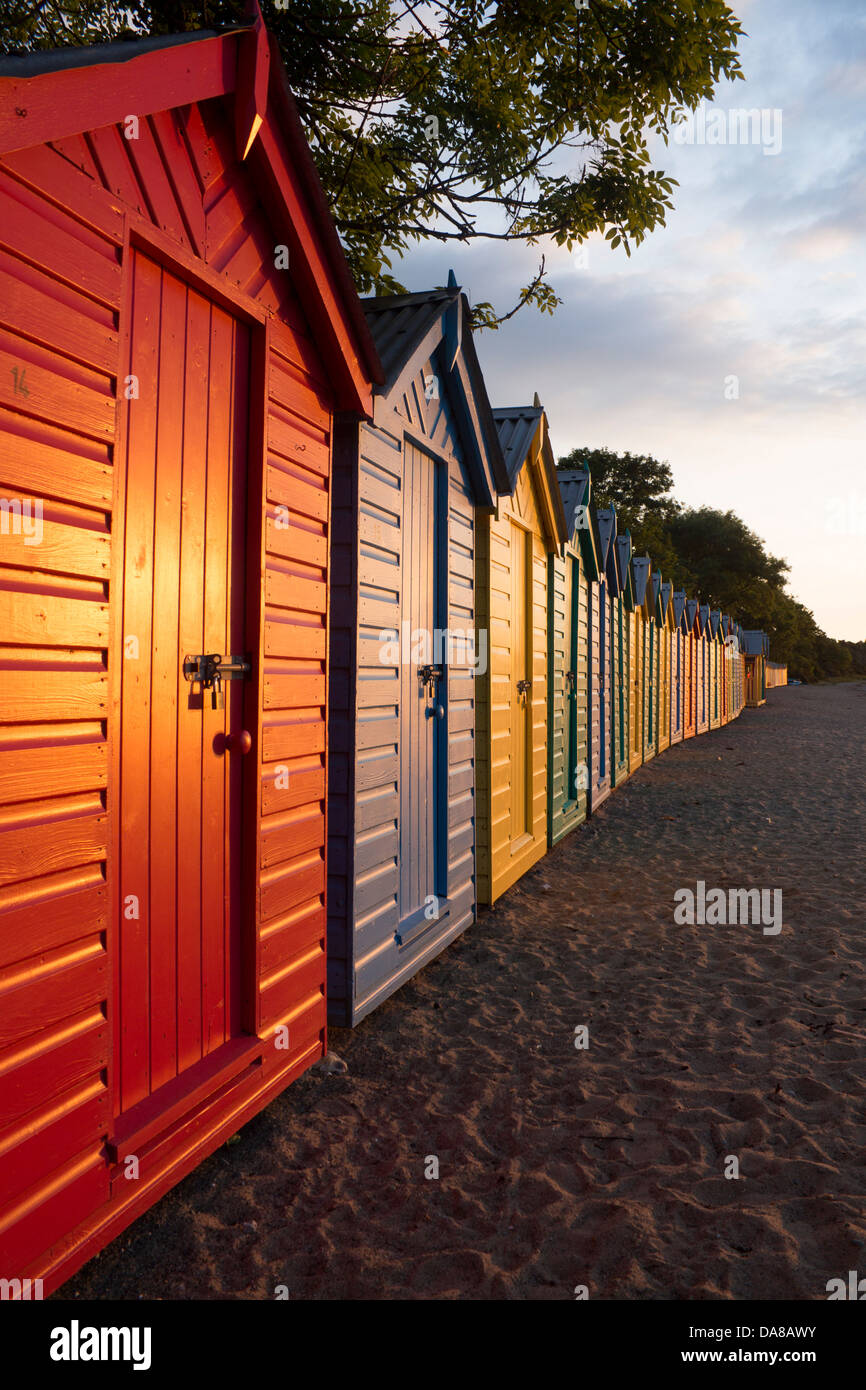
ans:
x=574 y=491
x=691 y=611
x=623 y=558
x=516 y=427
x=640 y=568
x=667 y=595
x=45 y=60
x=399 y=322
x=679 y=605
x=753 y=643
x=606 y=519
x=398 y=325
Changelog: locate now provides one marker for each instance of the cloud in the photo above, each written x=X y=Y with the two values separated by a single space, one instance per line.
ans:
x=758 y=274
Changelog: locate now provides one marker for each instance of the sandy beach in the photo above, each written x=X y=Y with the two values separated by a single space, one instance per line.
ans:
x=602 y=1166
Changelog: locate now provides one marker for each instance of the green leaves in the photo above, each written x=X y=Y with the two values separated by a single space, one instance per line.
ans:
x=465 y=120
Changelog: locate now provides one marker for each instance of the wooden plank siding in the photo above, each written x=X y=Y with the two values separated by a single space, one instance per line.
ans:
x=396 y=832
x=513 y=589
x=73 y=218
x=568 y=696
x=703 y=681
x=600 y=688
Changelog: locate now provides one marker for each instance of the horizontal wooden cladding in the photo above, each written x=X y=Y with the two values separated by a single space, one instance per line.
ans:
x=287 y=689
x=292 y=438
x=64 y=176
x=46 y=1064
x=48 y=238
x=283 y=589
x=290 y=784
x=29 y=1149
x=285 y=537
x=40 y=460
x=285 y=887
x=287 y=834
x=50 y=621
x=54 y=1207
x=53 y=987
x=44 y=838
x=295 y=737
x=297 y=640
x=41 y=383
x=55 y=539
x=52 y=911
x=294 y=937
x=36 y=306
x=45 y=683
x=38 y=762
x=293 y=956
x=295 y=391
x=299 y=490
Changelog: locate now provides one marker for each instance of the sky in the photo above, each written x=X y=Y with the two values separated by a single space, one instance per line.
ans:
x=733 y=342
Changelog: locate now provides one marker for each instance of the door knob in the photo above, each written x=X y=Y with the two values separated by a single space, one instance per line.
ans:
x=239 y=743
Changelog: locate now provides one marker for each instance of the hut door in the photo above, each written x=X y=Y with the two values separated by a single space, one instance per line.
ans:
x=572 y=785
x=521 y=677
x=423 y=735
x=637 y=652
x=689 y=667
x=602 y=683
x=651 y=682
x=619 y=754
x=179 y=989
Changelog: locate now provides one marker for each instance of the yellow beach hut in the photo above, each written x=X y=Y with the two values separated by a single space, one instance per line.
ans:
x=716 y=658
x=513 y=549
x=641 y=620
x=666 y=663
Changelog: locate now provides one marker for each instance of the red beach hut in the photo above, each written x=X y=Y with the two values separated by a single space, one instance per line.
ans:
x=178 y=329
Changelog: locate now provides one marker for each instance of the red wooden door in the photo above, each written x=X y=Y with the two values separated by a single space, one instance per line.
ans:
x=178 y=989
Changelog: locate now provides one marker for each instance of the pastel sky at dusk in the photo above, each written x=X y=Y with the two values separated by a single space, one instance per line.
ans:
x=759 y=274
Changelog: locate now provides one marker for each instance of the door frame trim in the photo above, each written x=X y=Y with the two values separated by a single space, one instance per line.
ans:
x=441 y=464
x=141 y=235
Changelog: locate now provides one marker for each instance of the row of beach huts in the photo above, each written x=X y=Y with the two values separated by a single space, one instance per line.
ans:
x=306 y=649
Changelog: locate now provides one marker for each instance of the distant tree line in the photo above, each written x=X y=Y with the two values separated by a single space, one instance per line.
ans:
x=715 y=557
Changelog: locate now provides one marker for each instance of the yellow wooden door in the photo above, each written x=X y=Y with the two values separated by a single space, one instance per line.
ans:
x=520 y=693
x=637 y=691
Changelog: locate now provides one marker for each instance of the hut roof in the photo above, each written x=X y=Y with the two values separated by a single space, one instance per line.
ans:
x=516 y=426
x=753 y=643
x=575 y=489
x=623 y=564
x=55 y=94
x=607 y=533
x=407 y=330
x=524 y=438
x=640 y=566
